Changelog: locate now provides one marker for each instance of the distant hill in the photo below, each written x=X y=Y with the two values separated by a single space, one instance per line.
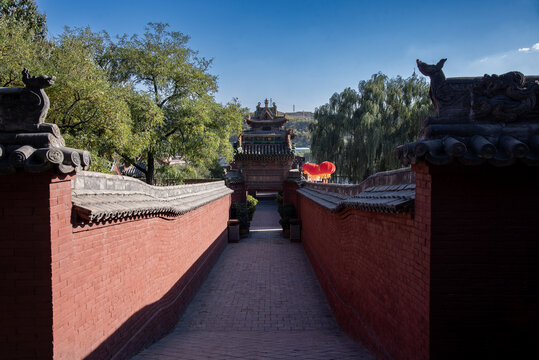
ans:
x=299 y=121
x=300 y=114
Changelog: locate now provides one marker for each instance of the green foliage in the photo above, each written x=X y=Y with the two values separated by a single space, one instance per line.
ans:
x=251 y=206
x=287 y=212
x=134 y=99
x=91 y=112
x=300 y=125
x=240 y=211
x=25 y=12
x=19 y=48
x=359 y=130
x=187 y=119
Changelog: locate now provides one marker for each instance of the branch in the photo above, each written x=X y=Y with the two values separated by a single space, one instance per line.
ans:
x=167 y=135
x=169 y=97
x=72 y=126
x=134 y=163
x=71 y=107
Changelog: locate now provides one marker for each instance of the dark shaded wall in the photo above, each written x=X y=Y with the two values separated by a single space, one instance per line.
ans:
x=27 y=205
x=484 y=261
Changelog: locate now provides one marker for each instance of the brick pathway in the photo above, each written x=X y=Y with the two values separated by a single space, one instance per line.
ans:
x=261 y=301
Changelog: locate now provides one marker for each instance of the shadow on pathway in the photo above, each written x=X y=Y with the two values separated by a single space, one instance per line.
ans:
x=260 y=301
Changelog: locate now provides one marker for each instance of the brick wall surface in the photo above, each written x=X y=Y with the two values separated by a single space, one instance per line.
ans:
x=289 y=193
x=26 y=202
x=374 y=269
x=240 y=192
x=95 y=291
x=485 y=262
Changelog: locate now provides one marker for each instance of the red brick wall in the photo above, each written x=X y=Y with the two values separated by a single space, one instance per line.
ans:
x=485 y=261
x=27 y=202
x=374 y=269
x=290 y=195
x=115 y=287
x=240 y=192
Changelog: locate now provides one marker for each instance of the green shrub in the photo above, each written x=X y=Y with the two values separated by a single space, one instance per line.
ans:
x=251 y=206
x=287 y=212
x=241 y=212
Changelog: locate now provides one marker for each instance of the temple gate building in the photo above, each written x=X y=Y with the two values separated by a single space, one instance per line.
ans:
x=265 y=153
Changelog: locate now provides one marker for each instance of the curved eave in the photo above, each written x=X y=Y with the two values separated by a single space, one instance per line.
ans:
x=474 y=150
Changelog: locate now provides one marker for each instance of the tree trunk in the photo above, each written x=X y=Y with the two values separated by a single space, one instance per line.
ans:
x=150 y=168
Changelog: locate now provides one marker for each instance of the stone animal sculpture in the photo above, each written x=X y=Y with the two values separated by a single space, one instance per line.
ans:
x=26 y=141
x=25 y=108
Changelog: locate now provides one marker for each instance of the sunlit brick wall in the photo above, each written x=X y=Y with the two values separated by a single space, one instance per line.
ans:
x=374 y=269
x=71 y=291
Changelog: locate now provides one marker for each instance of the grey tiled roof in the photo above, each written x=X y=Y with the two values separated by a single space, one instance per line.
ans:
x=98 y=197
x=393 y=198
x=392 y=191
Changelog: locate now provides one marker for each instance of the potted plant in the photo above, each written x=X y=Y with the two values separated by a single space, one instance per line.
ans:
x=241 y=212
x=287 y=212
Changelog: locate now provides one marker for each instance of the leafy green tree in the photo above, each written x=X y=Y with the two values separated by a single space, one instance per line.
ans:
x=22 y=41
x=359 y=130
x=91 y=112
x=25 y=12
x=181 y=88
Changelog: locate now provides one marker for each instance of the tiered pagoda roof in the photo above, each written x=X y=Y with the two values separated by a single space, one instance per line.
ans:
x=267 y=137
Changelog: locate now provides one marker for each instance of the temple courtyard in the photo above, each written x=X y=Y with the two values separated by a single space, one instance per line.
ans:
x=260 y=301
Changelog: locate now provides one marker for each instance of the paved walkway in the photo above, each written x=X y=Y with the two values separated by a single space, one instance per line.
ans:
x=260 y=301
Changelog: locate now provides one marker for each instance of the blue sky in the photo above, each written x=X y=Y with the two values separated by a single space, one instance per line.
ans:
x=301 y=52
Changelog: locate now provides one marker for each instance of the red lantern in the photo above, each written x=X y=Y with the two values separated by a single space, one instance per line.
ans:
x=327 y=168
x=315 y=170
x=308 y=167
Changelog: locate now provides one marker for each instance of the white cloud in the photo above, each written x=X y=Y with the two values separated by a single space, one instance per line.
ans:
x=524 y=60
x=535 y=47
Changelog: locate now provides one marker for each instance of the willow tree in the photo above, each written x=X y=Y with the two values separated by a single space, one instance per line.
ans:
x=359 y=130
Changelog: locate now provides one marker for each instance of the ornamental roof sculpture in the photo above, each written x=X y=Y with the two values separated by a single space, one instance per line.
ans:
x=26 y=141
x=491 y=119
x=266 y=117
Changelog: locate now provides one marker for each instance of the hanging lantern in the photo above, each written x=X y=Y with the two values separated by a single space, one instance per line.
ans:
x=312 y=170
x=327 y=167
x=308 y=168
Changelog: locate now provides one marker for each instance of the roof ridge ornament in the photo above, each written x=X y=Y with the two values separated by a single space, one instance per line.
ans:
x=494 y=118
x=26 y=141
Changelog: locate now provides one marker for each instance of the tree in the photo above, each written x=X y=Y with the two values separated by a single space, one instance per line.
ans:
x=359 y=130
x=25 y=12
x=178 y=82
x=22 y=40
x=91 y=112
